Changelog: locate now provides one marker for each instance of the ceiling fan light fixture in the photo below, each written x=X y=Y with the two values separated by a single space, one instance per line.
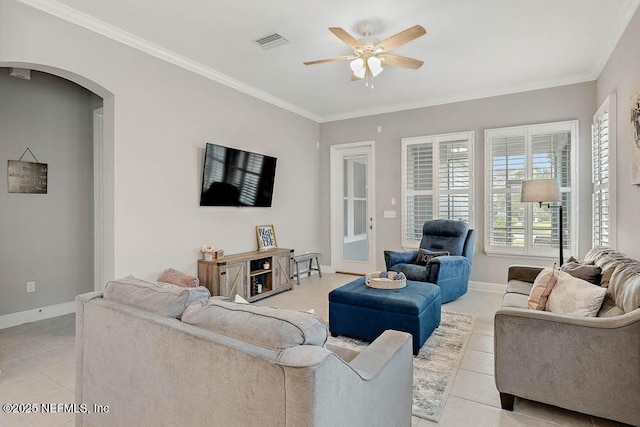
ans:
x=358 y=68
x=375 y=65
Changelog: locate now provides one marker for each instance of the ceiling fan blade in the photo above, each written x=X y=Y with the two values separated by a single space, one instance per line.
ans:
x=400 y=39
x=354 y=77
x=347 y=38
x=337 y=58
x=399 y=61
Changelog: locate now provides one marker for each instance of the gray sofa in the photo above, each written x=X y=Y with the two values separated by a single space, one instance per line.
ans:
x=586 y=364
x=175 y=357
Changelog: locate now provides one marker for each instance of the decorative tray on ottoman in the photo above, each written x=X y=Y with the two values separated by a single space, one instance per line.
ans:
x=378 y=280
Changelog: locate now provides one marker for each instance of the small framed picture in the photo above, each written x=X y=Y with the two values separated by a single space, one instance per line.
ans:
x=266 y=237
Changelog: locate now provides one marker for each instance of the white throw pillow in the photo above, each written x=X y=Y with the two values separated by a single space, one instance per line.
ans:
x=575 y=296
x=238 y=299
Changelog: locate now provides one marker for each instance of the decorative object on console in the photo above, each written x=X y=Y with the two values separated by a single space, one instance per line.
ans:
x=178 y=278
x=545 y=191
x=266 y=237
x=207 y=252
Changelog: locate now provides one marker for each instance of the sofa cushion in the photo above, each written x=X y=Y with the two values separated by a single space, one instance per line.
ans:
x=515 y=300
x=413 y=272
x=178 y=278
x=425 y=255
x=609 y=308
x=589 y=273
x=164 y=299
x=519 y=287
x=264 y=326
x=542 y=287
x=624 y=286
x=572 y=295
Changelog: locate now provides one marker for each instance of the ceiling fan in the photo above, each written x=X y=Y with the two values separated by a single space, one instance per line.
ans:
x=370 y=54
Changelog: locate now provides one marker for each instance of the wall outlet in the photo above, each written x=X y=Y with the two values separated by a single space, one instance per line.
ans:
x=31 y=286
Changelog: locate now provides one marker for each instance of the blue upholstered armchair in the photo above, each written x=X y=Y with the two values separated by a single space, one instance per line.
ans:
x=450 y=273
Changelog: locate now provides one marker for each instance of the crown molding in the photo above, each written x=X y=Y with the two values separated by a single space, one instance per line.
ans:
x=461 y=97
x=626 y=14
x=74 y=16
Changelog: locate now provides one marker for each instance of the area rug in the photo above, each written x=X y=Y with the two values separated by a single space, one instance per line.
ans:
x=434 y=368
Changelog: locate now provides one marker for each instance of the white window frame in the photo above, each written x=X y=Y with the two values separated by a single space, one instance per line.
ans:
x=436 y=140
x=528 y=250
x=607 y=107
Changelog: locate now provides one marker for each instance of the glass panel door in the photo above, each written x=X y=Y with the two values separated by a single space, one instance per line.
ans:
x=355 y=246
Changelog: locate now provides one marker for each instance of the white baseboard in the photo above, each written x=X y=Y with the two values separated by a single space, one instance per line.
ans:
x=327 y=268
x=487 y=287
x=27 y=316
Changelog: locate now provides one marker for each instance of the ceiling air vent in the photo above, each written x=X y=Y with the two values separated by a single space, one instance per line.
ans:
x=271 y=40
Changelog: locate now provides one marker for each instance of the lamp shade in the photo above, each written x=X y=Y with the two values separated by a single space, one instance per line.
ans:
x=358 y=68
x=541 y=191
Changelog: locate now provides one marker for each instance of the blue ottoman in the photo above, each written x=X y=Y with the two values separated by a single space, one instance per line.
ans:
x=358 y=311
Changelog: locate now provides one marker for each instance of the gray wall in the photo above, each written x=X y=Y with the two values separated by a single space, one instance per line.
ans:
x=549 y=105
x=158 y=117
x=621 y=76
x=47 y=238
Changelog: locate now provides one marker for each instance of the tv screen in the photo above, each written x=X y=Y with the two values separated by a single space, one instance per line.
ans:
x=233 y=177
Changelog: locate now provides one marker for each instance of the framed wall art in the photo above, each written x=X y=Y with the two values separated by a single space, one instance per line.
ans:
x=266 y=237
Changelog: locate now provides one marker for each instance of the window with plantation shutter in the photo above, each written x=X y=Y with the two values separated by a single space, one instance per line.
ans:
x=603 y=155
x=437 y=181
x=529 y=152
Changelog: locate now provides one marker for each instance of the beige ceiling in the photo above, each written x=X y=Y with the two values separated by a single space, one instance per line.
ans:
x=472 y=49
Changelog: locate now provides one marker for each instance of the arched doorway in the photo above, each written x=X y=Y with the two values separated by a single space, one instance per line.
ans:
x=103 y=171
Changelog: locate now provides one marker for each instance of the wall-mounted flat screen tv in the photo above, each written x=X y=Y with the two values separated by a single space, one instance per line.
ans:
x=233 y=177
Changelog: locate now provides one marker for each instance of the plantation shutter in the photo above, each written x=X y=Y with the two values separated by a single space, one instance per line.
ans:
x=521 y=153
x=453 y=180
x=551 y=158
x=506 y=172
x=602 y=139
x=437 y=179
x=419 y=188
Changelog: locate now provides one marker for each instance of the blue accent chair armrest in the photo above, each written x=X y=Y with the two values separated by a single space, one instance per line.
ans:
x=451 y=274
x=392 y=258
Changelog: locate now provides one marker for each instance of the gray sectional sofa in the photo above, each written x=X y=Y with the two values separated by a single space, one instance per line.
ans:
x=159 y=355
x=586 y=364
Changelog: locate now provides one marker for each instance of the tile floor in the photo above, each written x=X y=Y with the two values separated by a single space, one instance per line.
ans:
x=37 y=366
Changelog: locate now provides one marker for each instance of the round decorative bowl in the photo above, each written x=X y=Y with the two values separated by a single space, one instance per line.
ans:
x=373 y=280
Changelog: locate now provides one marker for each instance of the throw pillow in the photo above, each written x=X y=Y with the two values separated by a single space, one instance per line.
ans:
x=238 y=299
x=572 y=295
x=176 y=277
x=542 y=287
x=425 y=255
x=590 y=273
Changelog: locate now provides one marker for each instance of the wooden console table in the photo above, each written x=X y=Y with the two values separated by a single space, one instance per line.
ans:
x=252 y=275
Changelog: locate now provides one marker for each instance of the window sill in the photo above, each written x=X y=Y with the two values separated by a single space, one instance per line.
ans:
x=524 y=256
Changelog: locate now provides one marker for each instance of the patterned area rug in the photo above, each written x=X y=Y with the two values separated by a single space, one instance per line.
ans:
x=435 y=366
